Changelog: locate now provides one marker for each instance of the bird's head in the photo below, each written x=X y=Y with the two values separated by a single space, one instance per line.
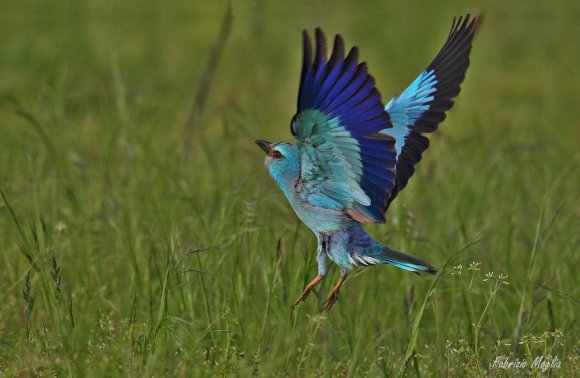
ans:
x=282 y=161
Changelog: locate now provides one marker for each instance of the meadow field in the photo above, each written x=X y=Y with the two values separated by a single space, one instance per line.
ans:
x=140 y=234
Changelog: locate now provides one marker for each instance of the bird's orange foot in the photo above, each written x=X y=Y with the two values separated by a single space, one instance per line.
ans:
x=309 y=288
x=334 y=295
x=331 y=300
x=305 y=295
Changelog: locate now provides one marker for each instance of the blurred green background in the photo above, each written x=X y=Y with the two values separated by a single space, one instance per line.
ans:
x=134 y=245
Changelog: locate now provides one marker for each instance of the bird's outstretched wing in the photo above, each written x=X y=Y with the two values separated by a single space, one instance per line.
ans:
x=346 y=164
x=422 y=106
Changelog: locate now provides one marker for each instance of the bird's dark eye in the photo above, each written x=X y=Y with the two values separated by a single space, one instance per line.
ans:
x=277 y=155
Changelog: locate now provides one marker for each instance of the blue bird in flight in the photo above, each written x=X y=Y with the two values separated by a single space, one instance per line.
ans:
x=353 y=155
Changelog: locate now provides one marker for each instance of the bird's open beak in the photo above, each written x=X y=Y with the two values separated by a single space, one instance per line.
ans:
x=265 y=145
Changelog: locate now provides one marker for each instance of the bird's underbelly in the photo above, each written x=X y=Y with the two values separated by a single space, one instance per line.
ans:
x=318 y=219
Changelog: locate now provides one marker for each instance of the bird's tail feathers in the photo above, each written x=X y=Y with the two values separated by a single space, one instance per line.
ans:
x=404 y=261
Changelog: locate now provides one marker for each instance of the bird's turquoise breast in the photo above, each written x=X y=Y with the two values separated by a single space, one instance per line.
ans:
x=318 y=219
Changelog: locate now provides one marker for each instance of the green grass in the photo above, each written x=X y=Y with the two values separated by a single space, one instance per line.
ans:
x=132 y=245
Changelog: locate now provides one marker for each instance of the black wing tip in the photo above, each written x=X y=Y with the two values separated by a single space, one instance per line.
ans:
x=452 y=61
x=458 y=44
x=431 y=270
x=306 y=50
x=306 y=61
x=319 y=33
x=338 y=47
x=321 y=45
x=352 y=55
x=466 y=23
x=306 y=38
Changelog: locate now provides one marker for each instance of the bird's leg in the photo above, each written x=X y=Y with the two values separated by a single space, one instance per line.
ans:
x=334 y=295
x=309 y=288
x=321 y=260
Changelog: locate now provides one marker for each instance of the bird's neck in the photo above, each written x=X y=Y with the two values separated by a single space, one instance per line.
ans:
x=285 y=172
x=286 y=181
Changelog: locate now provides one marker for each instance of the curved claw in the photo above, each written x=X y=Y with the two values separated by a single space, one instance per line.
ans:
x=302 y=297
x=330 y=301
x=309 y=288
x=334 y=295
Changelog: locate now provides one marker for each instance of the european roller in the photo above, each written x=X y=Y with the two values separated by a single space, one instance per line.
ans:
x=353 y=155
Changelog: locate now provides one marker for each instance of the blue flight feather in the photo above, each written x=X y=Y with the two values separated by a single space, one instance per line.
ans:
x=350 y=102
